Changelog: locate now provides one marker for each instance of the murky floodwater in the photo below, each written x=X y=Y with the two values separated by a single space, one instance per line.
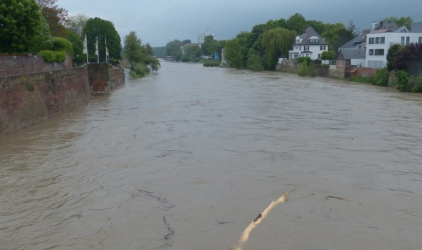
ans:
x=187 y=158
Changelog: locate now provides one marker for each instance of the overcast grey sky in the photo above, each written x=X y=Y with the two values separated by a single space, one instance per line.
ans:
x=160 y=21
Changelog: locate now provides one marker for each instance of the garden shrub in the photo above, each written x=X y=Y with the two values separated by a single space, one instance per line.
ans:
x=381 y=77
x=402 y=80
x=50 y=56
x=303 y=71
x=62 y=44
x=302 y=59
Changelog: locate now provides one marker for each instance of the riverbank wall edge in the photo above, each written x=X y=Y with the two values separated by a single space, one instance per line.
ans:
x=28 y=99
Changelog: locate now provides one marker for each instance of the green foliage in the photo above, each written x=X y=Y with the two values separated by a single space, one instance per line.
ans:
x=328 y=55
x=43 y=39
x=381 y=77
x=416 y=83
x=62 y=44
x=103 y=29
x=409 y=59
x=391 y=55
x=20 y=23
x=303 y=71
x=362 y=79
x=312 y=72
x=304 y=59
x=140 y=56
x=206 y=46
x=29 y=87
x=233 y=54
x=255 y=62
x=50 y=56
x=159 y=51
x=402 y=80
x=184 y=42
x=77 y=45
x=138 y=70
x=192 y=53
x=276 y=42
x=297 y=23
x=173 y=49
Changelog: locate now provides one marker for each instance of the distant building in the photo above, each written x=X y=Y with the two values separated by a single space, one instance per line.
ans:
x=382 y=37
x=201 y=37
x=309 y=44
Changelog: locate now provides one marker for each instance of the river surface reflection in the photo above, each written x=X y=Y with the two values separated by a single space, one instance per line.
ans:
x=187 y=158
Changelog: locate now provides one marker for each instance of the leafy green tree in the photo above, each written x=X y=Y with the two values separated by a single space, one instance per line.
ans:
x=272 y=24
x=409 y=59
x=255 y=62
x=391 y=55
x=232 y=53
x=402 y=21
x=217 y=46
x=173 y=48
x=42 y=39
x=103 y=29
x=206 y=46
x=77 y=44
x=277 y=42
x=318 y=26
x=184 y=42
x=297 y=23
x=19 y=23
x=328 y=55
x=243 y=45
x=303 y=70
x=140 y=56
x=159 y=51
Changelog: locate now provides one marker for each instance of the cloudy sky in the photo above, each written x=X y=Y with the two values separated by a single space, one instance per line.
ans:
x=160 y=21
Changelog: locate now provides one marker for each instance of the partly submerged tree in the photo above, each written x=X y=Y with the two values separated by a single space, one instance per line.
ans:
x=20 y=22
x=140 y=56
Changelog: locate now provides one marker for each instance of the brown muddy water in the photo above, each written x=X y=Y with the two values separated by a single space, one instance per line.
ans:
x=188 y=157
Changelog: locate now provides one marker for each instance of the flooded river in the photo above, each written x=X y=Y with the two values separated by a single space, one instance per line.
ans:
x=188 y=157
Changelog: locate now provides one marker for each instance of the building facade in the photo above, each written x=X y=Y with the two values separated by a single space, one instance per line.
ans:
x=309 y=44
x=379 y=41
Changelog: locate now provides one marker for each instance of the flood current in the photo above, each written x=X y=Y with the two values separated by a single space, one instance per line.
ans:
x=187 y=158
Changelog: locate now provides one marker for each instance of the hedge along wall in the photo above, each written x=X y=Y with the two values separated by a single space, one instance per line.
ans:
x=28 y=99
x=25 y=64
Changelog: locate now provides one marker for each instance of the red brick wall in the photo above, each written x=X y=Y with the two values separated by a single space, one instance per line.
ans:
x=29 y=99
x=99 y=78
x=24 y=64
x=117 y=77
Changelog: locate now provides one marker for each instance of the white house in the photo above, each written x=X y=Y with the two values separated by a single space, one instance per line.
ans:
x=379 y=41
x=309 y=44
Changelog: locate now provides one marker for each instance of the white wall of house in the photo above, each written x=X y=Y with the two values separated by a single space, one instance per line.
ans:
x=377 y=46
x=316 y=51
x=358 y=62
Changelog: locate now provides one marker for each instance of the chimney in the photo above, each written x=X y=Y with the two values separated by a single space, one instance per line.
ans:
x=374 y=25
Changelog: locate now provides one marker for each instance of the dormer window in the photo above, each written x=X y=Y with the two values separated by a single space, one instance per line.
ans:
x=298 y=40
x=313 y=40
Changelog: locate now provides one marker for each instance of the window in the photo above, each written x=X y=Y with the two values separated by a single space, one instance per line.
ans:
x=402 y=41
x=407 y=40
x=382 y=40
x=313 y=40
x=306 y=48
x=298 y=40
x=379 y=52
x=377 y=40
x=371 y=40
x=322 y=48
x=319 y=56
x=371 y=52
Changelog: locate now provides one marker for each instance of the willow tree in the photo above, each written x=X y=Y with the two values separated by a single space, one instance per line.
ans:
x=276 y=42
